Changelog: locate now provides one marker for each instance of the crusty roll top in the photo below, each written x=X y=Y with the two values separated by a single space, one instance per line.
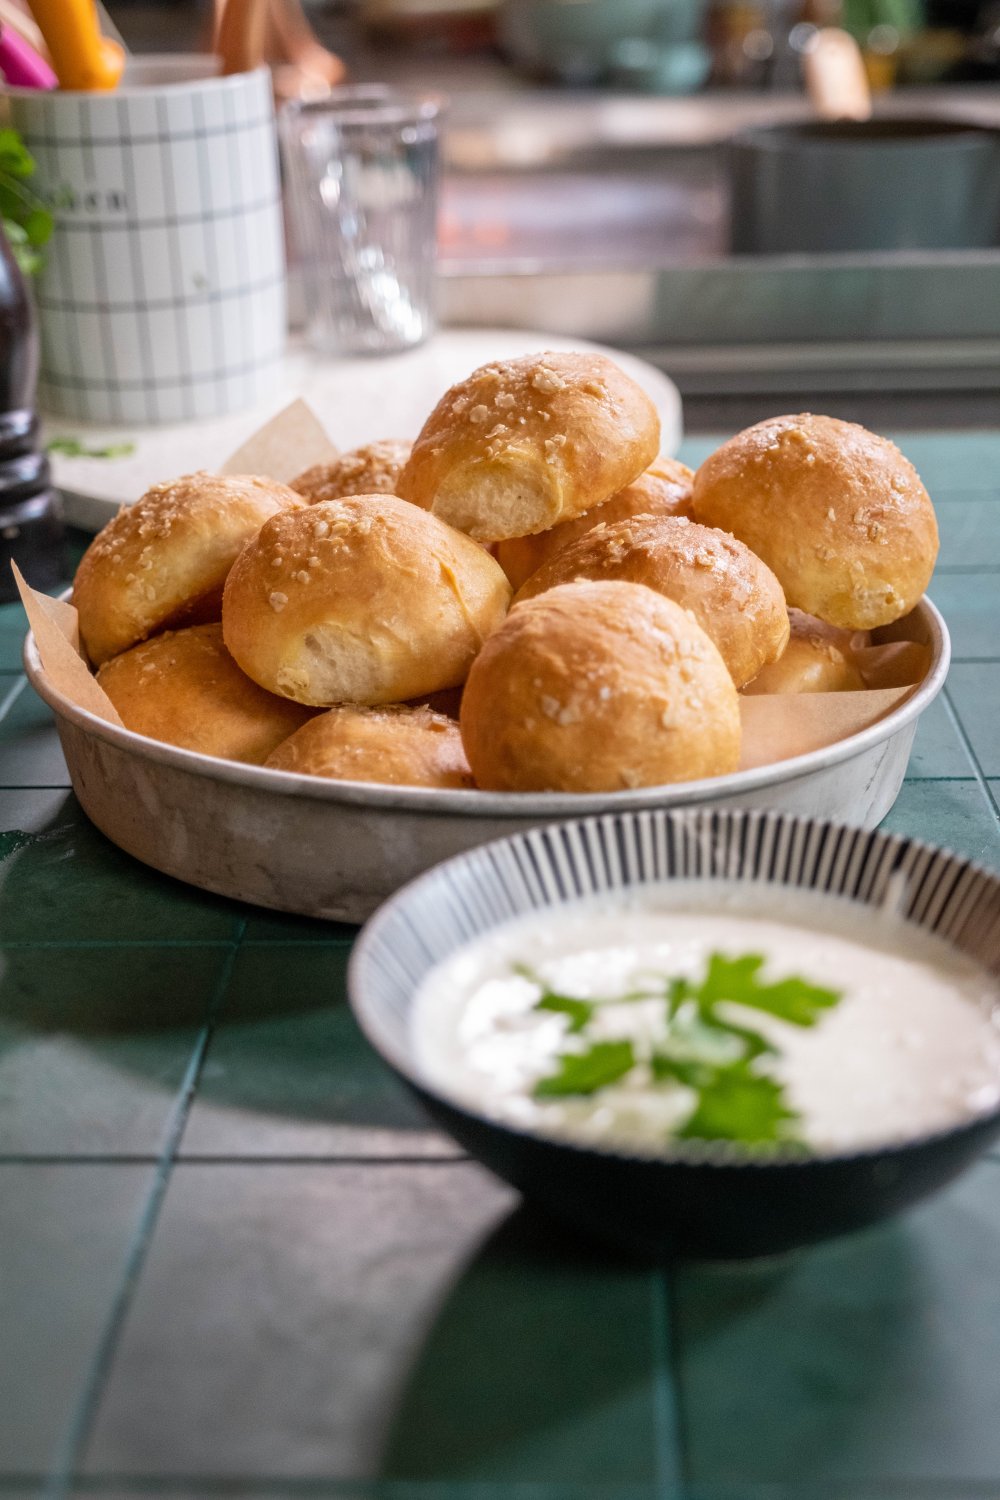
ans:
x=163 y=561
x=362 y=600
x=183 y=687
x=399 y=746
x=371 y=470
x=836 y=511
x=598 y=687
x=734 y=597
x=523 y=444
x=663 y=490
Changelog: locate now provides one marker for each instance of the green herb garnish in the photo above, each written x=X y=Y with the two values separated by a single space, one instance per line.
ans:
x=586 y=1072
x=74 y=448
x=27 y=221
x=721 y=1061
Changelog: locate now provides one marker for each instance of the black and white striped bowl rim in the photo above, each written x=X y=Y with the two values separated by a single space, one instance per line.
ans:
x=427 y=920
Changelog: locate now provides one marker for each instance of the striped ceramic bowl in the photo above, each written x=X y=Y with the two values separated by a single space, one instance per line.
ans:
x=693 y=1199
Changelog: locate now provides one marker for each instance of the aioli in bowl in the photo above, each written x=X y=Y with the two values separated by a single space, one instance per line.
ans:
x=729 y=1012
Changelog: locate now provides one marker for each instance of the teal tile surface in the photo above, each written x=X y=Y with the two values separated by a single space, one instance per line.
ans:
x=869 y=1358
x=956 y=461
x=969 y=603
x=288 y=1073
x=975 y=693
x=938 y=750
x=331 y=1301
x=90 y=1064
x=47 y=843
x=64 y=1236
x=286 y=1311
x=13 y=628
x=285 y=927
x=30 y=753
x=956 y=814
x=970 y=532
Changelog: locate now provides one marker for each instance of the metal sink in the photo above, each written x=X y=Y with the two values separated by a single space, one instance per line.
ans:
x=607 y=217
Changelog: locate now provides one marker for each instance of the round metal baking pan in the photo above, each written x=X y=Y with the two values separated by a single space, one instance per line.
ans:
x=337 y=849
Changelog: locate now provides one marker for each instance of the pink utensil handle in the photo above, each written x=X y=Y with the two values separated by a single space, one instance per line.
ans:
x=21 y=65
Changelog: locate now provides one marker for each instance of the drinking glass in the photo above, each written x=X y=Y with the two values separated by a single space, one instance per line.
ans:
x=362 y=171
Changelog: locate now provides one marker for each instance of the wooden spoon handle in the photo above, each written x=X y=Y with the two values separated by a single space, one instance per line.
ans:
x=836 y=78
x=242 y=35
x=295 y=43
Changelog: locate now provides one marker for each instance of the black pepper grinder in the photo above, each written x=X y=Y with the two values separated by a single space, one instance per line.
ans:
x=31 y=525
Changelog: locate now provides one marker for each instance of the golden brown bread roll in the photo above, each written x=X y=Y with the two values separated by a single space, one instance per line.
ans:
x=183 y=687
x=362 y=600
x=598 y=687
x=817 y=659
x=838 y=514
x=735 y=598
x=663 y=490
x=523 y=444
x=399 y=745
x=163 y=561
x=371 y=470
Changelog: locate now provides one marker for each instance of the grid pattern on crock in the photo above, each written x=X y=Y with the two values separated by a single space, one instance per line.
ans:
x=163 y=298
x=234 y=1260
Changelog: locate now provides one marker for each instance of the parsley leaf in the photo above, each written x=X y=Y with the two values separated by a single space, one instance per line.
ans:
x=578 y=1011
x=718 y=1060
x=737 y=1105
x=794 y=1000
x=586 y=1072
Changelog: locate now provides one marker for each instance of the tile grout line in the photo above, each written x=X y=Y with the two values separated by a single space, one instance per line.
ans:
x=11 y=698
x=669 y=1459
x=207 y=1159
x=967 y=746
x=72 y=1449
x=671 y=1319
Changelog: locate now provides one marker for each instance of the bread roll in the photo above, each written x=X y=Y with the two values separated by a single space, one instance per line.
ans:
x=734 y=597
x=663 y=490
x=364 y=600
x=371 y=470
x=398 y=745
x=184 y=688
x=817 y=659
x=523 y=444
x=163 y=561
x=838 y=514
x=596 y=687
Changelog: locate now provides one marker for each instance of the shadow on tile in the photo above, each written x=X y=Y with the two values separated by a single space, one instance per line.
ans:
x=872 y=1356
x=62 y=881
x=540 y=1365
x=289 y=1073
x=91 y=992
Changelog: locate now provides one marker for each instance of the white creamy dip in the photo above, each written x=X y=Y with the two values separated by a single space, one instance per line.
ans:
x=913 y=1045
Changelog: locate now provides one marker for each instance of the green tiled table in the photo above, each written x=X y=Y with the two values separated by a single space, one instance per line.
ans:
x=234 y=1259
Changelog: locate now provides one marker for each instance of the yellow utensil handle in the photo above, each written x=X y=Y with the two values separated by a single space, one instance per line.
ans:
x=81 y=57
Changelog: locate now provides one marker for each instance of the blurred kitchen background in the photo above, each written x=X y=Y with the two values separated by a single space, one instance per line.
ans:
x=587 y=186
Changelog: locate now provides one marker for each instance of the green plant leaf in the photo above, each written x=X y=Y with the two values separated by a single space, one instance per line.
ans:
x=737 y=1105
x=27 y=220
x=579 y=1012
x=794 y=1000
x=15 y=158
x=586 y=1072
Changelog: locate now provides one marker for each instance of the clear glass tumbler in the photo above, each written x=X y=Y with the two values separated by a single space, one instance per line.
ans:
x=362 y=170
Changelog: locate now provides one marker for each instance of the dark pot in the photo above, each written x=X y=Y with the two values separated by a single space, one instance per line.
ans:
x=906 y=184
